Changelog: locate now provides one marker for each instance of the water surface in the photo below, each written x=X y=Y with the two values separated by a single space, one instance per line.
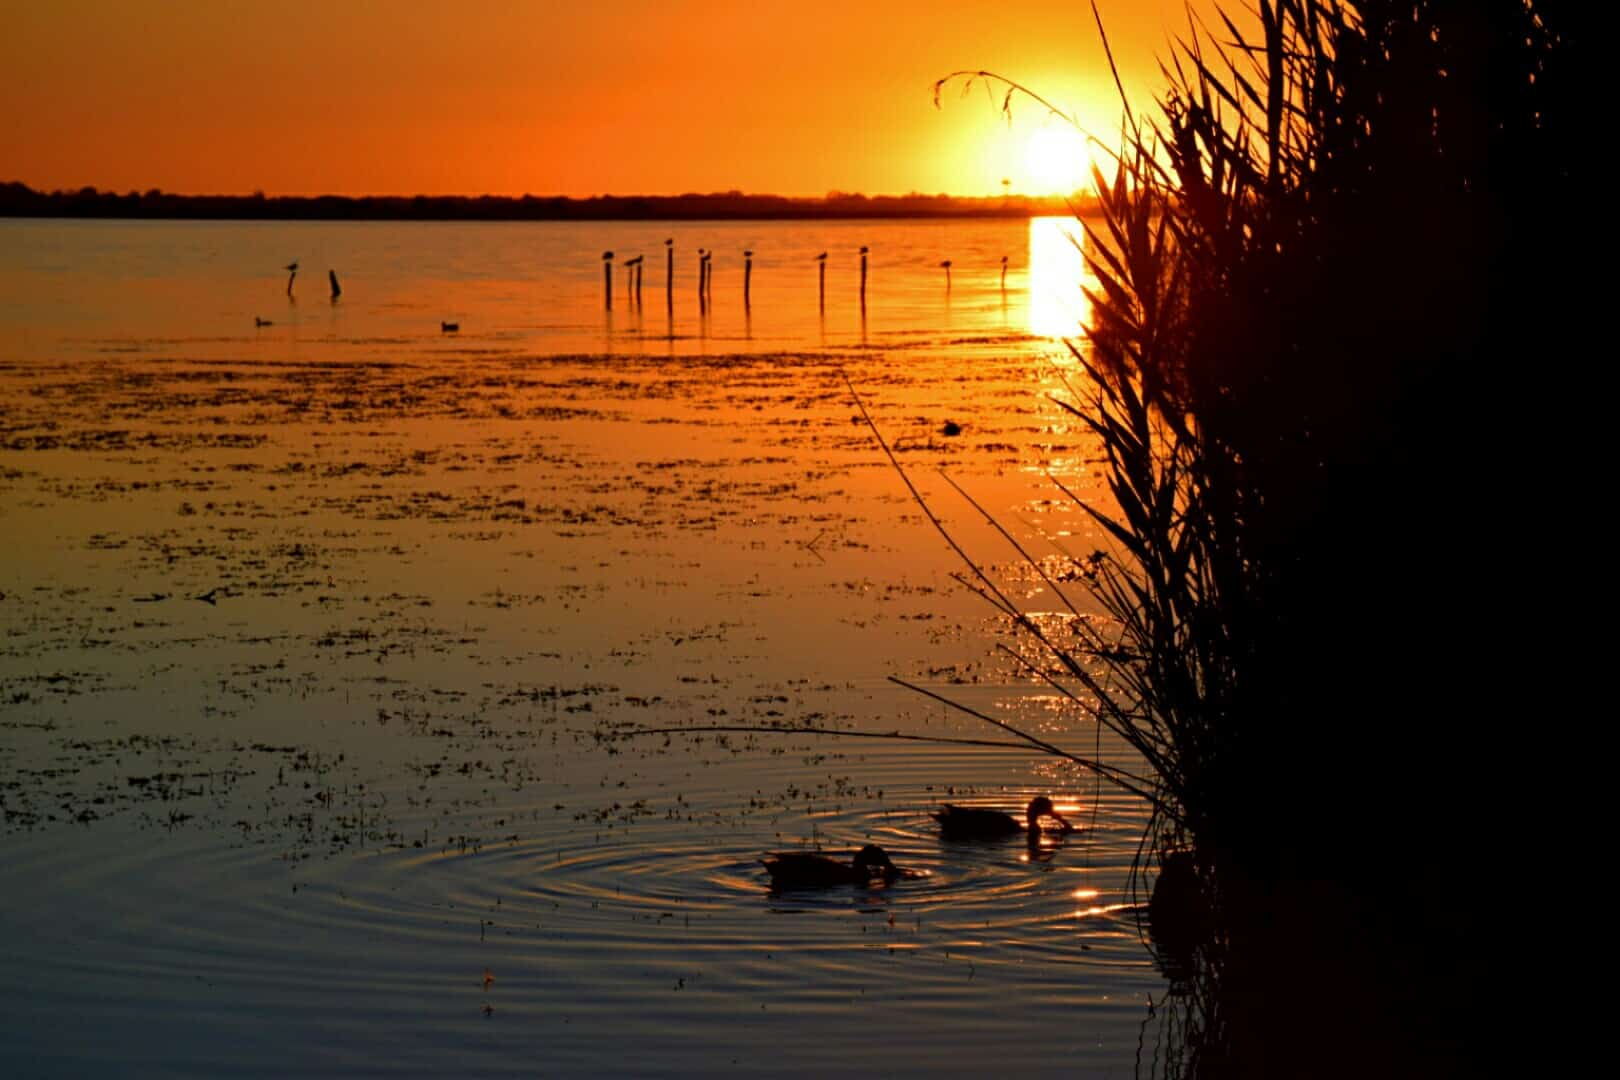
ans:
x=319 y=638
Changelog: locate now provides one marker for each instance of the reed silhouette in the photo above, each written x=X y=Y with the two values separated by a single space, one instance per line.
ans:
x=1320 y=266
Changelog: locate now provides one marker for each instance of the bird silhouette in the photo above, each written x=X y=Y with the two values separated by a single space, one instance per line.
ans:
x=292 y=272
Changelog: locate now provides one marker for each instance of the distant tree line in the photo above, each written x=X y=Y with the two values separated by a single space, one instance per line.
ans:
x=19 y=200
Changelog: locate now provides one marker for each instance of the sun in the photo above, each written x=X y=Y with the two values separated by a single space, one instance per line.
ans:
x=1055 y=160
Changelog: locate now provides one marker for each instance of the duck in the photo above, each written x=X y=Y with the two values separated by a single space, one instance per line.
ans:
x=805 y=869
x=979 y=823
x=1178 y=908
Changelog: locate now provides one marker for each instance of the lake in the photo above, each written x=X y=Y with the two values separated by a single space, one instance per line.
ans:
x=322 y=639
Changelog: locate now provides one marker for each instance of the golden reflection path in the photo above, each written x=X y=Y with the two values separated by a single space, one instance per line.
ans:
x=1058 y=275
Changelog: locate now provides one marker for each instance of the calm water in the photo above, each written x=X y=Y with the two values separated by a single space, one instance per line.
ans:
x=289 y=827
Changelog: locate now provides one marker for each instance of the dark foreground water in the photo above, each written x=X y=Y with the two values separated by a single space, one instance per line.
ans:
x=318 y=641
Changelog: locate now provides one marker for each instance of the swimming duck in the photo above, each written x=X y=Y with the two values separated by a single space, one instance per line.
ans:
x=978 y=823
x=804 y=869
x=1178 y=909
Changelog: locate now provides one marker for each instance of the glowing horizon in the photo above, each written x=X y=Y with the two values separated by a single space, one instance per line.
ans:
x=507 y=98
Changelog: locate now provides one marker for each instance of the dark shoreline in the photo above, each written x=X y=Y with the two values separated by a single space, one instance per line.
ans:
x=20 y=201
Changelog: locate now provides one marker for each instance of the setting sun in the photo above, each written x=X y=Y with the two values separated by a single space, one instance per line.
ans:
x=1055 y=160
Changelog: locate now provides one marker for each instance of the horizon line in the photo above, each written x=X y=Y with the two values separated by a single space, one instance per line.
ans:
x=833 y=195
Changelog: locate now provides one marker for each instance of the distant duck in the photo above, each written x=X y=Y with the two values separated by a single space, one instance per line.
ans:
x=262 y=322
x=1179 y=915
x=449 y=327
x=978 y=823
x=803 y=869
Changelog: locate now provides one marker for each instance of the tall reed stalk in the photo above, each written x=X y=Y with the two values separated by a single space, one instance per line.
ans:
x=1305 y=335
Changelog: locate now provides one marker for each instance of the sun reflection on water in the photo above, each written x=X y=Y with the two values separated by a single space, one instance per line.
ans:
x=1057 y=272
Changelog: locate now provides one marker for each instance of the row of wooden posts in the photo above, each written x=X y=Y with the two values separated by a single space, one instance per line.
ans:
x=632 y=285
x=331 y=277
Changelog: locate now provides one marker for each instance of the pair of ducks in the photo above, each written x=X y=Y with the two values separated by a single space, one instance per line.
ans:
x=803 y=869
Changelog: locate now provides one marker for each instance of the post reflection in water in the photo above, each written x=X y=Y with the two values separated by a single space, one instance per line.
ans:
x=1058 y=274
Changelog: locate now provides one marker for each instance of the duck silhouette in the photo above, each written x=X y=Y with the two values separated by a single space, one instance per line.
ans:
x=1178 y=908
x=981 y=823
x=805 y=869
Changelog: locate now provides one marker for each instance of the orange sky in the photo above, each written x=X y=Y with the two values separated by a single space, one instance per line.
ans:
x=578 y=97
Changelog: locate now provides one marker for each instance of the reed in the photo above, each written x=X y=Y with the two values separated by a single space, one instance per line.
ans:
x=1304 y=260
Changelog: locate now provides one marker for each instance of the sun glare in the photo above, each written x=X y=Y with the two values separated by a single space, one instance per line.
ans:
x=1058 y=277
x=1055 y=160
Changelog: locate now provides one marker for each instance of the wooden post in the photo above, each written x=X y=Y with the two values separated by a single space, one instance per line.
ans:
x=337 y=290
x=748 y=278
x=669 y=275
x=607 y=278
x=1004 y=273
x=821 y=274
x=947 y=265
x=863 y=277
